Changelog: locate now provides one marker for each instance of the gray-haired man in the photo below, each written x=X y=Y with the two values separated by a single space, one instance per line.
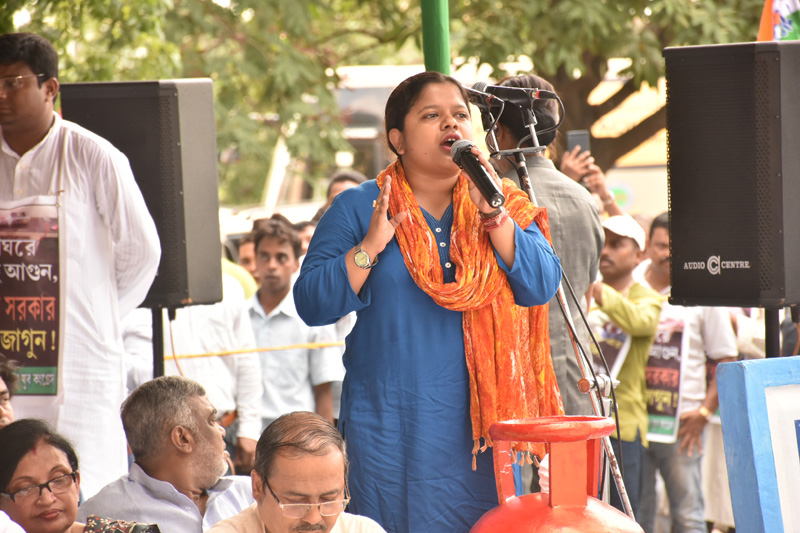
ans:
x=177 y=478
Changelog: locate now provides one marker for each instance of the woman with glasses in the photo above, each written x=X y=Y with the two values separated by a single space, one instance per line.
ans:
x=40 y=482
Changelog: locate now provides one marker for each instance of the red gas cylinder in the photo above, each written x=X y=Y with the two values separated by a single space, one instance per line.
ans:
x=574 y=445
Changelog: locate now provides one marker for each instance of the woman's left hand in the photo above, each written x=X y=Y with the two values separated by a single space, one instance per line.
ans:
x=474 y=192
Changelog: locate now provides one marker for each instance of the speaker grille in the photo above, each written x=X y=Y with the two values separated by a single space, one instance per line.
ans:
x=733 y=123
x=170 y=205
x=710 y=168
x=146 y=129
x=765 y=183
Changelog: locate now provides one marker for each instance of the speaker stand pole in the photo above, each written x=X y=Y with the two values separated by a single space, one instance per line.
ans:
x=772 y=332
x=158 y=342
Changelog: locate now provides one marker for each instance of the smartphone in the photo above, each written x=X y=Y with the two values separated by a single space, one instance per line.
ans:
x=576 y=138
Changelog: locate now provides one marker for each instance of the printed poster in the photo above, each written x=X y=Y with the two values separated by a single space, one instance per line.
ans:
x=663 y=381
x=30 y=285
x=614 y=343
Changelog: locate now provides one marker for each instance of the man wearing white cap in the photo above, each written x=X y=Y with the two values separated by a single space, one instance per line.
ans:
x=624 y=317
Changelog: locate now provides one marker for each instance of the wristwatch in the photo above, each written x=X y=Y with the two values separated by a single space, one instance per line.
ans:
x=362 y=259
x=704 y=412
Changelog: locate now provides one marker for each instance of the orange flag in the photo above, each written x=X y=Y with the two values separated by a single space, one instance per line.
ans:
x=780 y=20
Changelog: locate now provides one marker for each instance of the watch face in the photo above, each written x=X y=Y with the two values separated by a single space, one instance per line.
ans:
x=361 y=258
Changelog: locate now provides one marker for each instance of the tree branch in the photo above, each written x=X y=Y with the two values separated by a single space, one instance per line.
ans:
x=607 y=150
x=613 y=101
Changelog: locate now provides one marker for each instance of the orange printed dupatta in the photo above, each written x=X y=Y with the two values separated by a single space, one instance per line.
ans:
x=507 y=346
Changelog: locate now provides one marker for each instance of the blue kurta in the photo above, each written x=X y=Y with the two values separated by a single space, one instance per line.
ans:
x=405 y=399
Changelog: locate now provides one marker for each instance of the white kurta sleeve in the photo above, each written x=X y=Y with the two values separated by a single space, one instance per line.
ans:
x=136 y=245
x=248 y=378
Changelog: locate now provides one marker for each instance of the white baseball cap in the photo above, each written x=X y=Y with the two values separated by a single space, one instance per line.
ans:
x=626 y=226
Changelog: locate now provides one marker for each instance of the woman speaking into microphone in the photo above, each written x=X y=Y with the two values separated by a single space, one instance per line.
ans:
x=447 y=340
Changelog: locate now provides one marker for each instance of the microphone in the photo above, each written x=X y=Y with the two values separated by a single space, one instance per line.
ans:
x=481 y=99
x=464 y=158
x=518 y=96
x=485 y=102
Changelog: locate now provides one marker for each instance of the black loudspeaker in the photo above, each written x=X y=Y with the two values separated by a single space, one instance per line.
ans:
x=733 y=152
x=166 y=129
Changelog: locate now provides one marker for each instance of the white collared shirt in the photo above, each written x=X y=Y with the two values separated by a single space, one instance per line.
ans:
x=289 y=376
x=711 y=336
x=138 y=497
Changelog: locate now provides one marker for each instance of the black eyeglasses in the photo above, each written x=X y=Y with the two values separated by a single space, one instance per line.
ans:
x=12 y=83
x=299 y=510
x=57 y=485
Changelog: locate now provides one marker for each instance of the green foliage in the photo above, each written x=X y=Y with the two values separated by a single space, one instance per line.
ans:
x=571 y=41
x=106 y=40
x=273 y=61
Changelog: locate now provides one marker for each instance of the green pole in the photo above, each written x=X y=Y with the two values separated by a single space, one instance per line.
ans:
x=436 y=35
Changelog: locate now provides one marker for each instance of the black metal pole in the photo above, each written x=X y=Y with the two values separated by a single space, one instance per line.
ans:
x=772 y=332
x=158 y=342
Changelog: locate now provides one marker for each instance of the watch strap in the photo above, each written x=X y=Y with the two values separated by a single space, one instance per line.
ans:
x=371 y=262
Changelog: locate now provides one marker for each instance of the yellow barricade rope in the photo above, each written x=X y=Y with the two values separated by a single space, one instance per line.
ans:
x=307 y=345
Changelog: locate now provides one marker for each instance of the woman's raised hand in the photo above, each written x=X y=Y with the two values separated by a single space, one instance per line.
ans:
x=381 y=228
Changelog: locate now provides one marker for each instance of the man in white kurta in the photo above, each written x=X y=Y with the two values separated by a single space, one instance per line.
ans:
x=112 y=251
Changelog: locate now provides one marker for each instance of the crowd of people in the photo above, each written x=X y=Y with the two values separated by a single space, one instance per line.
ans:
x=266 y=420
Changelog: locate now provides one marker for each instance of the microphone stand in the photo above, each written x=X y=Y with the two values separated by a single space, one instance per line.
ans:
x=590 y=383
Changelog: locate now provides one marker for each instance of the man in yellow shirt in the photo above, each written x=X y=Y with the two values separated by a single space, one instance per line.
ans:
x=626 y=314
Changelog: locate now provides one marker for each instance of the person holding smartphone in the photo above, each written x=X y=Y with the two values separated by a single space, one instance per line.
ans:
x=578 y=163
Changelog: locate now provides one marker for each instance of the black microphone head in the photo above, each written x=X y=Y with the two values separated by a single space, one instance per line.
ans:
x=541 y=93
x=480 y=99
x=459 y=148
x=479 y=86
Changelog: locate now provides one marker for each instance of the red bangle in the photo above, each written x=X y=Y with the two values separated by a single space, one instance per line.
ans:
x=496 y=221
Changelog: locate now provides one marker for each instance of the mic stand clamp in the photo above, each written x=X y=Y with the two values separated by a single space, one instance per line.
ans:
x=603 y=383
x=534 y=150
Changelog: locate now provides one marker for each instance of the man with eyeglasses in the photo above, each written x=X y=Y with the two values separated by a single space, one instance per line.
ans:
x=107 y=248
x=299 y=481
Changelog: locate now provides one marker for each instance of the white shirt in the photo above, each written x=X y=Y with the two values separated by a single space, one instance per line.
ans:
x=710 y=333
x=112 y=255
x=9 y=526
x=232 y=382
x=248 y=521
x=289 y=376
x=138 y=497
x=343 y=328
